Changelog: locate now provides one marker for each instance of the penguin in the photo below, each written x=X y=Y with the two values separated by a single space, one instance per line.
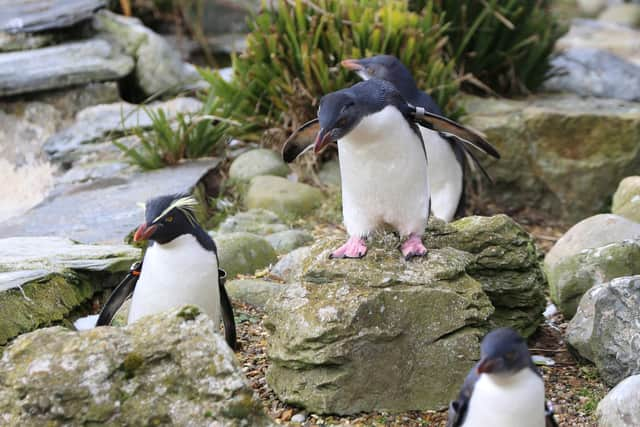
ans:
x=383 y=163
x=504 y=389
x=180 y=266
x=447 y=157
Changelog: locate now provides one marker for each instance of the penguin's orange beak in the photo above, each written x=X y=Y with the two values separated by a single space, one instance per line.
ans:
x=487 y=366
x=144 y=232
x=322 y=140
x=351 y=64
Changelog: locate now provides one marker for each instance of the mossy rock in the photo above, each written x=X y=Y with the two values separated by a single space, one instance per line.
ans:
x=244 y=253
x=626 y=200
x=288 y=199
x=257 y=162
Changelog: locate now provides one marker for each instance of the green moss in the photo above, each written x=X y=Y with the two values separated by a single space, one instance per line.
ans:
x=189 y=312
x=131 y=363
x=242 y=407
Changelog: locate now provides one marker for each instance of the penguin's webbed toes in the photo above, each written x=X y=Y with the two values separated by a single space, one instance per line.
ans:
x=354 y=248
x=413 y=247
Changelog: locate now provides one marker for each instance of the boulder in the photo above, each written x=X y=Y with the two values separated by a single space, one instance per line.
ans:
x=172 y=368
x=605 y=329
x=504 y=259
x=255 y=292
x=257 y=162
x=30 y=16
x=244 y=253
x=416 y=325
x=106 y=211
x=588 y=71
x=615 y=38
x=44 y=279
x=290 y=266
x=593 y=232
x=158 y=67
x=61 y=66
x=621 y=406
x=286 y=198
x=625 y=14
x=626 y=200
x=329 y=173
x=286 y=241
x=570 y=278
x=256 y=221
x=560 y=153
x=108 y=121
x=592 y=7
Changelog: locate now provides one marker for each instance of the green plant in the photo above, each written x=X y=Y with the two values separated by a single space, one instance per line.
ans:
x=189 y=136
x=293 y=52
x=504 y=44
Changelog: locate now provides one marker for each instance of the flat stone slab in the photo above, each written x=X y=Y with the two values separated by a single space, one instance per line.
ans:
x=61 y=66
x=26 y=259
x=27 y=16
x=106 y=211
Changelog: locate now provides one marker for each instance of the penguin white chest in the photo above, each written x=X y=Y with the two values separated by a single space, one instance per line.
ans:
x=517 y=400
x=177 y=273
x=384 y=175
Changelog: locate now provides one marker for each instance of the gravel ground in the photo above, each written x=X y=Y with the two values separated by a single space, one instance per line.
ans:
x=573 y=387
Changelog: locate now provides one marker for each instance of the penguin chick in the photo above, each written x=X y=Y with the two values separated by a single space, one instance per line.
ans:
x=504 y=389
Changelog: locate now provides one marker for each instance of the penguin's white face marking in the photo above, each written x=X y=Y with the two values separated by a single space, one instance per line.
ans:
x=500 y=400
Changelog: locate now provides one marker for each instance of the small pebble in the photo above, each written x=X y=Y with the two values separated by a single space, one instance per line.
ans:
x=299 y=418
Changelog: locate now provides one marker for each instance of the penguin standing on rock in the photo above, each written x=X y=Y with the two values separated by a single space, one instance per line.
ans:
x=447 y=157
x=180 y=267
x=383 y=163
x=504 y=389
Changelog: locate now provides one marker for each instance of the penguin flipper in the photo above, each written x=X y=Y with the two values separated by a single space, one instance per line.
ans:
x=458 y=408
x=119 y=296
x=549 y=419
x=227 y=313
x=291 y=148
x=449 y=127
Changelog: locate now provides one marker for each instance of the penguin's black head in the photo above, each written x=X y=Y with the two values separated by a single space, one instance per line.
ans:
x=341 y=111
x=167 y=217
x=503 y=351
x=384 y=67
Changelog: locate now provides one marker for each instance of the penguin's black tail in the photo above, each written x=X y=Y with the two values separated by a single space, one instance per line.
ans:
x=228 y=319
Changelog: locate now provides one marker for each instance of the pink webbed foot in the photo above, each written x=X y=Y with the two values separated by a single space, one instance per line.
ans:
x=354 y=248
x=413 y=247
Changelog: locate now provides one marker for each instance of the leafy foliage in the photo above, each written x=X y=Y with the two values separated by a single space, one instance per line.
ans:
x=190 y=136
x=504 y=44
x=293 y=53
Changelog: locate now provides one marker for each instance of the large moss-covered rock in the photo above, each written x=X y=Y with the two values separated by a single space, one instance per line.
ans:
x=626 y=200
x=286 y=198
x=575 y=275
x=256 y=221
x=244 y=253
x=377 y=333
x=562 y=153
x=605 y=329
x=168 y=369
x=255 y=292
x=504 y=260
x=257 y=162
x=286 y=241
x=44 y=279
x=621 y=406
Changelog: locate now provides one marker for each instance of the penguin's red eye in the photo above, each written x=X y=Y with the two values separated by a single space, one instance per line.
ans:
x=341 y=122
x=169 y=219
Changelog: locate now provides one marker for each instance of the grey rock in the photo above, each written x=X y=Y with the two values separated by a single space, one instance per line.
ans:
x=173 y=369
x=575 y=275
x=621 y=406
x=557 y=151
x=257 y=221
x=24 y=41
x=605 y=329
x=244 y=253
x=626 y=200
x=286 y=198
x=290 y=266
x=228 y=43
x=257 y=162
x=416 y=325
x=593 y=232
x=329 y=173
x=592 y=7
x=589 y=71
x=299 y=418
x=158 y=67
x=106 y=211
x=28 y=16
x=255 y=292
x=286 y=241
x=221 y=16
x=44 y=279
x=625 y=14
x=60 y=66
x=110 y=121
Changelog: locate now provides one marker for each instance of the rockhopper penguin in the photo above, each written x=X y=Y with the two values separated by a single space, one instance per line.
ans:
x=180 y=267
x=504 y=389
x=447 y=156
x=383 y=163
